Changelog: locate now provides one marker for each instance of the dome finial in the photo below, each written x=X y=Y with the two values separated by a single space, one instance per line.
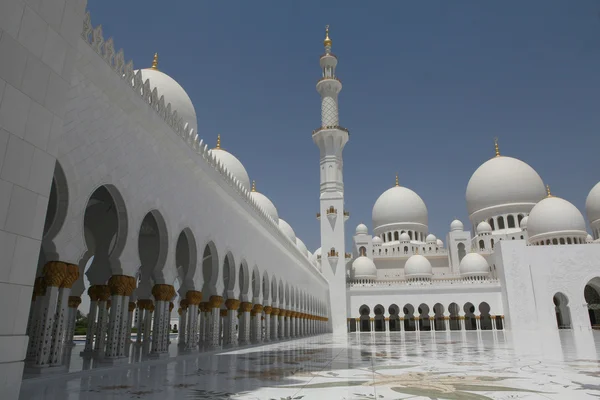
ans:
x=397 y=184
x=327 y=41
x=218 y=141
x=155 y=61
x=496 y=147
x=254 y=186
x=548 y=191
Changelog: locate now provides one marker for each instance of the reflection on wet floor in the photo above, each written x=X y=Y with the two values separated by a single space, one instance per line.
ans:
x=393 y=365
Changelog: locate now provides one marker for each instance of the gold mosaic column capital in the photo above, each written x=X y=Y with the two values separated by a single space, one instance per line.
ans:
x=223 y=313
x=232 y=304
x=246 y=306
x=108 y=304
x=39 y=287
x=180 y=311
x=193 y=297
x=275 y=311
x=74 y=301
x=103 y=292
x=162 y=292
x=72 y=274
x=54 y=273
x=268 y=310
x=183 y=304
x=171 y=306
x=93 y=292
x=119 y=285
x=131 y=306
x=215 y=301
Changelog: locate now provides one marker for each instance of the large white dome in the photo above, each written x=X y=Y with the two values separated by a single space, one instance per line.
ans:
x=364 y=268
x=287 y=229
x=592 y=204
x=503 y=181
x=417 y=266
x=473 y=264
x=399 y=205
x=174 y=94
x=554 y=217
x=232 y=164
x=265 y=203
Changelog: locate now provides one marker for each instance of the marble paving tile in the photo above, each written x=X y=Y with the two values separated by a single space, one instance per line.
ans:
x=396 y=365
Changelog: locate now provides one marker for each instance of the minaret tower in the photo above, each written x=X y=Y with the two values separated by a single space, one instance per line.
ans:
x=331 y=139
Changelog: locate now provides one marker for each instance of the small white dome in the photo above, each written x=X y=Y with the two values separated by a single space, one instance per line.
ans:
x=377 y=240
x=430 y=238
x=364 y=268
x=523 y=224
x=174 y=94
x=473 y=264
x=287 y=229
x=456 y=226
x=503 y=181
x=417 y=266
x=300 y=244
x=440 y=243
x=399 y=205
x=484 y=228
x=266 y=204
x=233 y=165
x=592 y=204
x=404 y=237
x=554 y=217
x=362 y=229
x=589 y=239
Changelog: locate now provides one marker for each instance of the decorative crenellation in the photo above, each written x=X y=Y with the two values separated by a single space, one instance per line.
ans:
x=105 y=49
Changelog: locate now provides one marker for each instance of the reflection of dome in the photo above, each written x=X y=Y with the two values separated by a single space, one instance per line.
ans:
x=404 y=237
x=232 y=164
x=523 y=224
x=362 y=229
x=377 y=240
x=287 y=229
x=592 y=204
x=399 y=205
x=440 y=243
x=174 y=94
x=473 y=264
x=456 y=226
x=300 y=244
x=553 y=218
x=364 y=268
x=264 y=202
x=484 y=228
x=430 y=238
x=503 y=181
x=417 y=266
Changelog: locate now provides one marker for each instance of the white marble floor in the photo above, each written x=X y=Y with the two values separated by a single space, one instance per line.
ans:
x=426 y=365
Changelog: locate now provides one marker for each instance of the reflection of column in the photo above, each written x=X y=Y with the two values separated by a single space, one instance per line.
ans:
x=103 y=296
x=493 y=318
x=148 y=317
x=229 y=333
x=193 y=298
x=214 y=304
x=61 y=321
x=121 y=287
x=223 y=325
x=74 y=302
x=292 y=318
x=274 y=323
x=256 y=315
x=141 y=318
x=281 y=325
x=268 y=310
x=478 y=322
x=201 y=324
x=244 y=337
x=128 y=341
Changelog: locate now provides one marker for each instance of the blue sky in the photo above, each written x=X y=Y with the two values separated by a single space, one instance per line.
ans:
x=427 y=86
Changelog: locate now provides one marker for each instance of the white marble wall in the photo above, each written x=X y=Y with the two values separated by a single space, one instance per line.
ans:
x=38 y=41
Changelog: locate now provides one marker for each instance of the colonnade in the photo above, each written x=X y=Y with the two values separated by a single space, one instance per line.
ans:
x=415 y=324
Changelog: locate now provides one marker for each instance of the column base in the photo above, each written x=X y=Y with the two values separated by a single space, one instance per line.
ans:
x=86 y=353
x=114 y=360
x=158 y=355
x=45 y=370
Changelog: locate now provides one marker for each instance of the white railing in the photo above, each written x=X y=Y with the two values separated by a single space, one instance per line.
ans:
x=452 y=281
x=106 y=50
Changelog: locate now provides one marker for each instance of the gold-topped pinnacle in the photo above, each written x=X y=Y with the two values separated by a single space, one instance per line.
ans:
x=496 y=147
x=218 y=141
x=254 y=186
x=155 y=61
x=549 y=194
x=397 y=184
x=327 y=41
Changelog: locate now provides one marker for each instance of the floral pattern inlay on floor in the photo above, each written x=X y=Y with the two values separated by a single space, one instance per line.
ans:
x=426 y=365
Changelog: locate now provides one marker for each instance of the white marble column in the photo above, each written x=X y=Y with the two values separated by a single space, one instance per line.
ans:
x=39 y=292
x=256 y=315
x=102 y=322
x=182 y=328
x=160 y=331
x=148 y=318
x=201 y=325
x=141 y=319
x=158 y=326
x=193 y=298
x=61 y=321
x=74 y=302
x=214 y=304
x=274 y=322
x=244 y=337
x=268 y=310
x=114 y=326
x=281 y=323
x=131 y=310
x=229 y=333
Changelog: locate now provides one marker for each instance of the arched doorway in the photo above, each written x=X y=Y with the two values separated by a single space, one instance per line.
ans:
x=409 y=318
x=438 y=311
x=454 y=311
x=561 y=309
x=470 y=319
x=461 y=251
x=394 y=319
x=365 y=319
x=591 y=293
x=379 y=318
x=485 y=319
x=424 y=322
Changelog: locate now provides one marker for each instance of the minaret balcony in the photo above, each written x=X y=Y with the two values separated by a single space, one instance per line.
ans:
x=329 y=78
x=346 y=215
x=333 y=257
x=348 y=256
x=326 y=128
x=318 y=216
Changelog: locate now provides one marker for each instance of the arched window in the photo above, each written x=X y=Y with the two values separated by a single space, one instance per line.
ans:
x=491 y=222
x=521 y=236
x=396 y=235
x=554 y=241
x=492 y=243
x=405 y=249
x=389 y=236
x=461 y=251
x=562 y=241
x=410 y=235
x=362 y=250
x=481 y=245
x=510 y=220
x=519 y=218
x=548 y=242
x=500 y=222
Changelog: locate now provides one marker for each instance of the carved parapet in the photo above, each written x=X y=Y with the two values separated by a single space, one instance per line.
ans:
x=74 y=301
x=120 y=285
x=232 y=304
x=131 y=306
x=246 y=306
x=162 y=292
x=215 y=301
x=268 y=310
x=103 y=292
x=54 y=273
x=193 y=297
x=72 y=274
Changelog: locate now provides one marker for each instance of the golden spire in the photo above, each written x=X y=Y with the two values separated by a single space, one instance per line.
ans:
x=397 y=184
x=496 y=147
x=155 y=61
x=327 y=41
x=254 y=186
x=218 y=141
x=548 y=191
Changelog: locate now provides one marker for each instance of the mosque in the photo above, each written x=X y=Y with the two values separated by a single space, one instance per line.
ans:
x=108 y=194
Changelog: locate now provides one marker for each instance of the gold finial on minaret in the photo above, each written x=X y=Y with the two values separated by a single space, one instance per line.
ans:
x=548 y=191
x=254 y=186
x=397 y=184
x=496 y=147
x=327 y=41
x=155 y=61
x=218 y=141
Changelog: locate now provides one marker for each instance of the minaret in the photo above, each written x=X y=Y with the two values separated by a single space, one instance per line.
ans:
x=331 y=139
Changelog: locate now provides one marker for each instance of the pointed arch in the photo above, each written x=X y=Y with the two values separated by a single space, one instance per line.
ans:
x=210 y=269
